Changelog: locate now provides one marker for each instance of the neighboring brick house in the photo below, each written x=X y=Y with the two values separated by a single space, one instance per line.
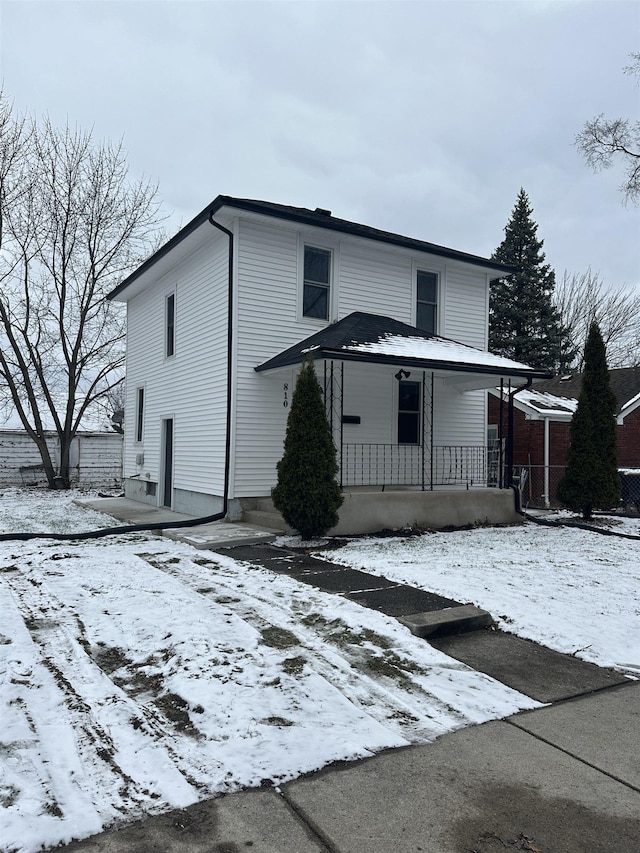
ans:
x=542 y=416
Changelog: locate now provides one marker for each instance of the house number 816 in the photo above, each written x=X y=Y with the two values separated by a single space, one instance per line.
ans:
x=285 y=388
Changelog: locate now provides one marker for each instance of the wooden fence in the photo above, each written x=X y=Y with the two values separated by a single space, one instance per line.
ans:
x=96 y=459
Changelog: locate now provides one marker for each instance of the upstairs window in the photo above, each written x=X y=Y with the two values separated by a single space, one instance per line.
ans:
x=170 y=325
x=409 y=421
x=139 y=413
x=317 y=283
x=427 y=302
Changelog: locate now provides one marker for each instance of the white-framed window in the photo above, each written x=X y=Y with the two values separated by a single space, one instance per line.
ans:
x=316 y=285
x=427 y=287
x=170 y=325
x=409 y=412
x=139 y=414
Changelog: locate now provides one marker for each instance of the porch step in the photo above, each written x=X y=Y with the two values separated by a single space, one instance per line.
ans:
x=453 y=620
x=271 y=520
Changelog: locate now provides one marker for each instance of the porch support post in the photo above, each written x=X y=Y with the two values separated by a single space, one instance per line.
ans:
x=509 y=471
x=331 y=397
x=500 y=437
x=341 y=416
x=431 y=438
x=424 y=424
x=512 y=394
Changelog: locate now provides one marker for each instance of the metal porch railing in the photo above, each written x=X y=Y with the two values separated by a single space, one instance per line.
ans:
x=413 y=465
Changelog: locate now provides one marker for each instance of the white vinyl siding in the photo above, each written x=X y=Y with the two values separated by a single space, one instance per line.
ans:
x=465 y=307
x=267 y=309
x=370 y=280
x=458 y=418
x=375 y=281
x=190 y=386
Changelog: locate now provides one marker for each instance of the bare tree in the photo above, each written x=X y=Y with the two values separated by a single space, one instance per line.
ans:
x=113 y=405
x=72 y=226
x=603 y=140
x=584 y=299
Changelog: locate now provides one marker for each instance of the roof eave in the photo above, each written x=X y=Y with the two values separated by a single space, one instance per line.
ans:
x=313 y=219
x=346 y=227
x=403 y=361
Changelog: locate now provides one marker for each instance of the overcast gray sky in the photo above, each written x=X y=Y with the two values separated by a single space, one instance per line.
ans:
x=424 y=118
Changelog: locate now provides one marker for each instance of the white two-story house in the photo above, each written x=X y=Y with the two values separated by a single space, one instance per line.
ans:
x=221 y=317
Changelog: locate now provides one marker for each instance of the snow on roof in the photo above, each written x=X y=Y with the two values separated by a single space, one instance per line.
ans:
x=632 y=402
x=372 y=337
x=435 y=349
x=549 y=404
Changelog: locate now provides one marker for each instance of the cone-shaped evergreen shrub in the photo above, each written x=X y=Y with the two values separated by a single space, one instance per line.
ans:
x=307 y=494
x=591 y=479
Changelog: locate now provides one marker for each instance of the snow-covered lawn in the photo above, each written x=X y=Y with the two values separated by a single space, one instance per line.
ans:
x=138 y=674
x=572 y=590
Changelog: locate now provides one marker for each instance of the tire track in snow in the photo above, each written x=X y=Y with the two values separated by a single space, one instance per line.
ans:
x=57 y=632
x=358 y=668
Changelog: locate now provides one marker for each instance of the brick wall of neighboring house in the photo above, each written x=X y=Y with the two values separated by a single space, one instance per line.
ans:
x=528 y=447
x=629 y=441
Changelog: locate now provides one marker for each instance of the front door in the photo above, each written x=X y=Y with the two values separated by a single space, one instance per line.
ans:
x=167 y=478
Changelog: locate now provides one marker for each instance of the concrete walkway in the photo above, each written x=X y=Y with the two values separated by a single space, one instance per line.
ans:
x=561 y=779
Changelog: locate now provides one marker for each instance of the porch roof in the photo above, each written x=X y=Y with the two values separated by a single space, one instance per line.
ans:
x=371 y=338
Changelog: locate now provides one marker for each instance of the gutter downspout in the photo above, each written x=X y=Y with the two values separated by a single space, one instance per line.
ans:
x=546 y=464
x=227 y=446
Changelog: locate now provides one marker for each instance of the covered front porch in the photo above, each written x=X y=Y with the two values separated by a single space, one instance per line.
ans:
x=407 y=409
x=409 y=422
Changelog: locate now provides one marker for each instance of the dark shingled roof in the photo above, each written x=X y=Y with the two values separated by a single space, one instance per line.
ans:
x=625 y=384
x=318 y=217
x=336 y=340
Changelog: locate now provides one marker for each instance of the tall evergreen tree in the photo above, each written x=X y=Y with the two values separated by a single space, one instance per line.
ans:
x=307 y=493
x=591 y=479
x=524 y=324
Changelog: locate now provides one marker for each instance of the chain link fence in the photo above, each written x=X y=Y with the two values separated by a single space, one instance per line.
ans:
x=539 y=486
x=630 y=479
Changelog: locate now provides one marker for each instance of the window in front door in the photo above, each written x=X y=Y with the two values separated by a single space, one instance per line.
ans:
x=409 y=421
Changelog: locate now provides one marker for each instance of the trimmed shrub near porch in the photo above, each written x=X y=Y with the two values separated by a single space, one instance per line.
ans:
x=591 y=479
x=307 y=493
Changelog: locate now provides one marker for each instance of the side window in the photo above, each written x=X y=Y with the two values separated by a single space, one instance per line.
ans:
x=427 y=301
x=409 y=422
x=317 y=283
x=139 y=413
x=170 y=325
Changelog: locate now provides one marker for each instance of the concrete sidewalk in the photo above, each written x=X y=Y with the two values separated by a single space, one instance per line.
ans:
x=560 y=779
